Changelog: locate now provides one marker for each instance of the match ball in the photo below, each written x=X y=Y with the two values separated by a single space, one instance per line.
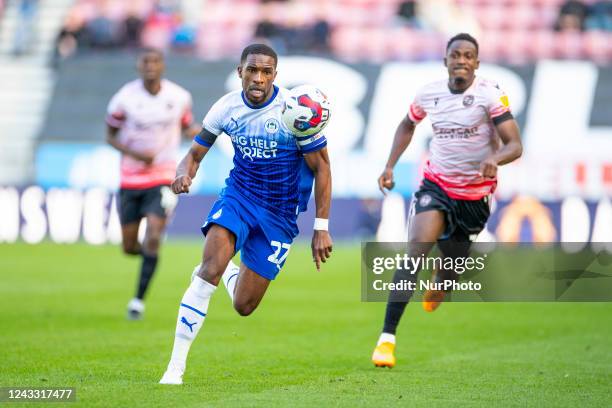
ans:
x=306 y=111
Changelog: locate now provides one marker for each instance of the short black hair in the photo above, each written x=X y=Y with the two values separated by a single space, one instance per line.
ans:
x=464 y=37
x=147 y=50
x=258 y=49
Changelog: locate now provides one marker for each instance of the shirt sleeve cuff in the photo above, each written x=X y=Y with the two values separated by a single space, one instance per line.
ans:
x=314 y=148
x=202 y=142
x=502 y=118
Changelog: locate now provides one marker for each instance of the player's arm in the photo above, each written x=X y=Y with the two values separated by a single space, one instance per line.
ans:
x=321 y=245
x=189 y=128
x=188 y=167
x=116 y=115
x=191 y=131
x=112 y=139
x=512 y=149
x=401 y=140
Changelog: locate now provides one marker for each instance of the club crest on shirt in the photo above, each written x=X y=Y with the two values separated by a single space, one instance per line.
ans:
x=468 y=100
x=425 y=200
x=272 y=126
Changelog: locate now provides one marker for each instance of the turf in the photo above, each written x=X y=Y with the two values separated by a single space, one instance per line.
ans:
x=309 y=343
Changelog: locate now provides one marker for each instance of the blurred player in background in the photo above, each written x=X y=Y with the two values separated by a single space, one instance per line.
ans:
x=145 y=120
x=474 y=133
x=256 y=212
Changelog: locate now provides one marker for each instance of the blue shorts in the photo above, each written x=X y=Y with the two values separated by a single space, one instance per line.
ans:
x=262 y=237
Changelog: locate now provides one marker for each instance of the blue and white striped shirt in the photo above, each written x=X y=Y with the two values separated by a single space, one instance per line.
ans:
x=267 y=156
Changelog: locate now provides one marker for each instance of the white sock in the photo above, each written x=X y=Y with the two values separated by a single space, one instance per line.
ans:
x=193 y=309
x=230 y=277
x=386 y=338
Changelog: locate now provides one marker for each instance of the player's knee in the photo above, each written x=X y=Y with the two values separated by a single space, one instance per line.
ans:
x=244 y=308
x=419 y=244
x=210 y=273
x=419 y=238
x=131 y=248
x=151 y=244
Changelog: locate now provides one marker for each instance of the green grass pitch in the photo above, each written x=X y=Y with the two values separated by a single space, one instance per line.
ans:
x=62 y=323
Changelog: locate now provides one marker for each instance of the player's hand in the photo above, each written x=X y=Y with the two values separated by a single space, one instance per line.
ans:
x=181 y=184
x=321 y=247
x=488 y=168
x=385 y=181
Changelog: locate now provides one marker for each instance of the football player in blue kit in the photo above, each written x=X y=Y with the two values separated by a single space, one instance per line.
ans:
x=256 y=212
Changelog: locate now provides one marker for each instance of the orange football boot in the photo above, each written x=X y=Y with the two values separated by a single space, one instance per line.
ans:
x=383 y=355
x=432 y=299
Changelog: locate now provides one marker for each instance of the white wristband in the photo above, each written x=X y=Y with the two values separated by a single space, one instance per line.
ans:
x=321 y=224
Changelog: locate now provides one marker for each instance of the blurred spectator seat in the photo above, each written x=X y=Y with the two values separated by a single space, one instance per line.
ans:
x=572 y=16
x=600 y=16
x=512 y=31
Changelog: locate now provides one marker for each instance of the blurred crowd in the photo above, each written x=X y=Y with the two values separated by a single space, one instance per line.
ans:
x=26 y=12
x=579 y=16
x=380 y=29
x=290 y=36
x=93 y=24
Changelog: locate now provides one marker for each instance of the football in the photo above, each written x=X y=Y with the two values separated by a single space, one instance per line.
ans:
x=306 y=111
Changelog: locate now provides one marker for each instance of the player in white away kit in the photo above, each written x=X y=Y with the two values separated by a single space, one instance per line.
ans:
x=145 y=119
x=474 y=132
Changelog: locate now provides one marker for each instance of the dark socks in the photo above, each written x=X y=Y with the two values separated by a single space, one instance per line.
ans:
x=394 y=313
x=397 y=302
x=147 y=270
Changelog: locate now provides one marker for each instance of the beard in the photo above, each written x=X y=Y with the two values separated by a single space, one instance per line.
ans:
x=459 y=81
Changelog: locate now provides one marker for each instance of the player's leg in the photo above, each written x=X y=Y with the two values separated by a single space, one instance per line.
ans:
x=129 y=214
x=229 y=277
x=245 y=287
x=129 y=238
x=456 y=246
x=156 y=226
x=252 y=285
x=250 y=289
x=470 y=217
x=131 y=246
x=263 y=255
x=425 y=228
x=218 y=250
x=149 y=251
x=156 y=205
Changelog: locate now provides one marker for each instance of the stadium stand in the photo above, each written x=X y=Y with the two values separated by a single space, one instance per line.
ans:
x=26 y=81
x=363 y=30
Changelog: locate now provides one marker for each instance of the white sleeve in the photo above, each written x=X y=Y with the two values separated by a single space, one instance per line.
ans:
x=115 y=112
x=497 y=101
x=416 y=113
x=187 y=116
